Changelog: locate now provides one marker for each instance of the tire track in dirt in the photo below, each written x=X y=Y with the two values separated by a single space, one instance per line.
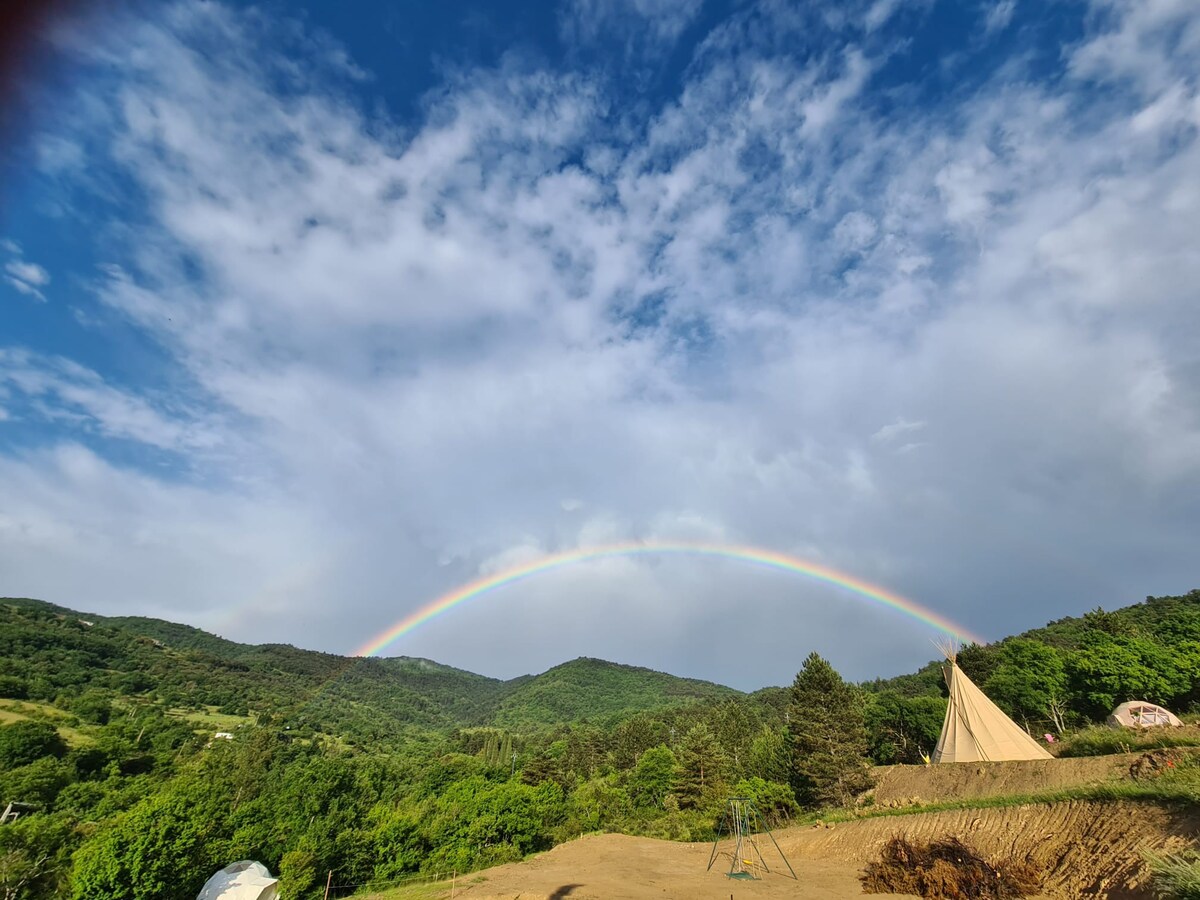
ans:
x=1087 y=848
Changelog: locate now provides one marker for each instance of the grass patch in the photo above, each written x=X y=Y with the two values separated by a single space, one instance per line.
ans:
x=435 y=891
x=1180 y=785
x=1100 y=740
x=15 y=710
x=25 y=710
x=1176 y=875
x=210 y=719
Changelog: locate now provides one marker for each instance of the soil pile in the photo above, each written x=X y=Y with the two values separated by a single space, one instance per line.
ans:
x=947 y=869
x=899 y=786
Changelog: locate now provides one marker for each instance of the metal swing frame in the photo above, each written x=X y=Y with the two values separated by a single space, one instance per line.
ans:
x=741 y=820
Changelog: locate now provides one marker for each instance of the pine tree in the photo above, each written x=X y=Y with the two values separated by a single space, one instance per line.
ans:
x=702 y=765
x=828 y=736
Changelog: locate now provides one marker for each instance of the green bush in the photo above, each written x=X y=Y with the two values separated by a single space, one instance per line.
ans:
x=298 y=874
x=24 y=742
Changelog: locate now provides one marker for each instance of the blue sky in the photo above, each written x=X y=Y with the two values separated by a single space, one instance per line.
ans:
x=308 y=317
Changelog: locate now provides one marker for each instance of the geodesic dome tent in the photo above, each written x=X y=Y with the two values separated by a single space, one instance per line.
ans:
x=245 y=880
x=1140 y=714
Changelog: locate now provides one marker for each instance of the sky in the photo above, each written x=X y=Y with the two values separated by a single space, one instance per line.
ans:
x=310 y=313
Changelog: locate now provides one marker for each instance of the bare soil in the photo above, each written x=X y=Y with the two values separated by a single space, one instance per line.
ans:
x=897 y=786
x=619 y=867
x=1085 y=849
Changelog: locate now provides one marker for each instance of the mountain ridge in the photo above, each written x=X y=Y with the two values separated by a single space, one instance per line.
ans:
x=405 y=691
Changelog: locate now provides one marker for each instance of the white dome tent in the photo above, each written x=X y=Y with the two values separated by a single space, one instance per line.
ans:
x=245 y=880
x=1140 y=714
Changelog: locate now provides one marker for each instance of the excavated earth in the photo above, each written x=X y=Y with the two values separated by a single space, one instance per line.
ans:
x=1086 y=849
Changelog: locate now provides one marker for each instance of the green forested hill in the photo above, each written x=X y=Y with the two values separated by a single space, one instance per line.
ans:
x=600 y=692
x=47 y=651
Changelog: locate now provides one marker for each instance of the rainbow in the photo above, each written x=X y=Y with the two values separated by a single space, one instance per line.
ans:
x=753 y=555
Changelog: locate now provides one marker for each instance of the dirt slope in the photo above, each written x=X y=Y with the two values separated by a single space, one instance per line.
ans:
x=1089 y=849
x=904 y=785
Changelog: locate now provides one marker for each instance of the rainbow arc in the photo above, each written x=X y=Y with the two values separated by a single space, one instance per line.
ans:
x=769 y=559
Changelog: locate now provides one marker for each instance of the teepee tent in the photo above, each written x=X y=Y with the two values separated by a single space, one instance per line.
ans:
x=1140 y=714
x=975 y=729
x=245 y=880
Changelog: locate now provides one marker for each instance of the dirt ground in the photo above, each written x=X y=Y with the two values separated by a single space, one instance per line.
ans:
x=618 y=867
x=1088 y=850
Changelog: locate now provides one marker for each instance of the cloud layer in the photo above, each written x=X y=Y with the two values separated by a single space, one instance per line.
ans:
x=943 y=345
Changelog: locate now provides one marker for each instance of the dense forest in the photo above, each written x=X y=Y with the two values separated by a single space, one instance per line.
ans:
x=144 y=754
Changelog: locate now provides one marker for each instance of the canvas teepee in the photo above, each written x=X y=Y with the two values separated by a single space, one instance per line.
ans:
x=975 y=729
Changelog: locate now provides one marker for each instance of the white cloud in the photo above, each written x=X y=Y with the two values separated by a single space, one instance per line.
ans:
x=25 y=288
x=28 y=272
x=25 y=277
x=899 y=428
x=999 y=15
x=425 y=343
x=879 y=13
x=63 y=390
x=665 y=20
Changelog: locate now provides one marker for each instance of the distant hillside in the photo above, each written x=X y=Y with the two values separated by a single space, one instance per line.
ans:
x=1163 y=620
x=598 y=691
x=1069 y=671
x=47 y=650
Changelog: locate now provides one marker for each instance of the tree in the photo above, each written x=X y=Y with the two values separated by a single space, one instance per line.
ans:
x=770 y=757
x=23 y=742
x=653 y=777
x=1110 y=670
x=828 y=736
x=901 y=728
x=298 y=873
x=702 y=764
x=34 y=856
x=38 y=783
x=774 y=801
x=1030 y=681
x=162 y=849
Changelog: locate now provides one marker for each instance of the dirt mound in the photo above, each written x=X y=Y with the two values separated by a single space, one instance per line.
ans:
x=897 y=786
x=1154 y=763
x=947 y=869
